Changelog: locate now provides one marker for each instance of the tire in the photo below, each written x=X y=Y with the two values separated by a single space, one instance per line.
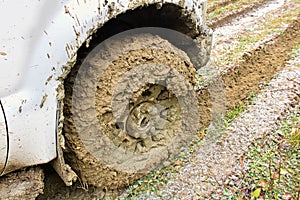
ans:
x=130 y=108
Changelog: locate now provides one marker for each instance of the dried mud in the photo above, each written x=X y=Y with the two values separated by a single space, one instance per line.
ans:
x=90 y=149
x=24 y=184
x=250 y=75
x=259 y=66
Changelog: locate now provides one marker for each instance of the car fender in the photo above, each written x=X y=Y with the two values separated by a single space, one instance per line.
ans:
x=39 y=41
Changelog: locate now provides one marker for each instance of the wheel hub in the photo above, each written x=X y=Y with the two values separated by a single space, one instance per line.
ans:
x=141 y=121
x=153 y=118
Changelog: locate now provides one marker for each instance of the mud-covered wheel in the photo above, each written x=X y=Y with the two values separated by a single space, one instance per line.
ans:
x=130 y=108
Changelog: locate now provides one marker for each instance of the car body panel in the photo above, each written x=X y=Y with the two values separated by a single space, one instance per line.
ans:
x=3 y=140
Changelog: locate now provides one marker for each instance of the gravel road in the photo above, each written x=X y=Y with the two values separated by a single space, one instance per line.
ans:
x=206 y=171
x=203 y=176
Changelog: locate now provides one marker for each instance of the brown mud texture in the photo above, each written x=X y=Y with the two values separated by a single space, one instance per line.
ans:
x=249 y=75
x=260 y=65
x=129 y=109
x=24 y=184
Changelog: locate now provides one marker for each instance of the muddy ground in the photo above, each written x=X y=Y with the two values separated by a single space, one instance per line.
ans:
x=249 y=75
x=260 y=65
x=29 y=184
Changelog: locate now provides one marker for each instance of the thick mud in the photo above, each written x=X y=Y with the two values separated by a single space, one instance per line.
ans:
x=99 y=135
x=250 y=75
x=260 y=65
x=24 y=184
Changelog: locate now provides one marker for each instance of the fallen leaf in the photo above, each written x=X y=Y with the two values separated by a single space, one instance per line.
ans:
x=291 y=171
x=256 y=193
x=294 y=131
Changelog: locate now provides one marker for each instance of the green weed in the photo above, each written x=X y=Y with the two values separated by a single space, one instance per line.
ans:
x=273 y=164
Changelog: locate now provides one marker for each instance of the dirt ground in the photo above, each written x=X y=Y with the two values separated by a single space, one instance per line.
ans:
x=260 y=65
x=146 y=149
x=256 y=68
x=248 y=76
x=25 y=184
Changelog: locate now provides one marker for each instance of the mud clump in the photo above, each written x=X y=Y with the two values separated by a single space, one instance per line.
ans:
x=24 y=184
x=258 y=66
x=143 y=77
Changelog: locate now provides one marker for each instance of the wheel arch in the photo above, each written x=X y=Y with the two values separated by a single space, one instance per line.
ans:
x=57 y=33
x=187 y=17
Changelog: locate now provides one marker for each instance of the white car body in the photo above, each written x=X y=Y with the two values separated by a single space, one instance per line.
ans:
x=38 y=45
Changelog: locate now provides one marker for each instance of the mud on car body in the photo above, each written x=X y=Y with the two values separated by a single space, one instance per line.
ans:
x=41 y=45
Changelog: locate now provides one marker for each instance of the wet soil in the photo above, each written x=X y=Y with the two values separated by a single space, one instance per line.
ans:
x=250 y=75
x=125 y=64
x=220 y=20
x=260 y=65
x=24 y=184
x=203 y=172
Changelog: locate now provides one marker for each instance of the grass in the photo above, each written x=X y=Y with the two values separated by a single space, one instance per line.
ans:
x=237 y=110
x=219 y=11
x=158 y=178
x=262 y=179
x=273 y=172
x=155 y=180
x=273 y=166
x=248 y=39
x=295 y=51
